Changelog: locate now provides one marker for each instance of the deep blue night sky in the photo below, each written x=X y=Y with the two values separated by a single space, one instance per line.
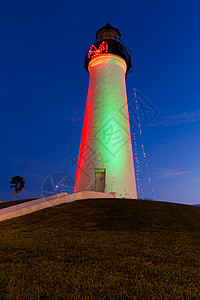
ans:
x=42 y=55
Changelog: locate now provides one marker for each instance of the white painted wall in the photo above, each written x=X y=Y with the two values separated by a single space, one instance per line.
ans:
x=106 y=141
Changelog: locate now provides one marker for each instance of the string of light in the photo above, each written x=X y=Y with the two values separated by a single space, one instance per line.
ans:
x=138 y=171
x=141 y=138
x=93 y=51
x=111 y=98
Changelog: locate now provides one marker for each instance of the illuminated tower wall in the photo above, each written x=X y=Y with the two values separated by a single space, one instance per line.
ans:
x=105 y=158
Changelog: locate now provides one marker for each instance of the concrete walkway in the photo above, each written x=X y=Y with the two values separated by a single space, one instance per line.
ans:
x=46 y=202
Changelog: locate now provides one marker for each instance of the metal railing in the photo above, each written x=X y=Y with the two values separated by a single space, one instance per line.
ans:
x=114 y=48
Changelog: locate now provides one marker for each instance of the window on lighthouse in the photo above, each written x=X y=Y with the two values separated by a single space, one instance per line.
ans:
x=108 y=35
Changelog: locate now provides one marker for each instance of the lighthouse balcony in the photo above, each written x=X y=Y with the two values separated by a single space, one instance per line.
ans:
x=111 y=47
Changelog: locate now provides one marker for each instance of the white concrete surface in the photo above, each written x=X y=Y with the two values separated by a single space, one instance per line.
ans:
x=106 y=139
x=46 y=202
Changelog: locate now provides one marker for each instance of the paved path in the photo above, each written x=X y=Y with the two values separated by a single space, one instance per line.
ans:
x=46 y=202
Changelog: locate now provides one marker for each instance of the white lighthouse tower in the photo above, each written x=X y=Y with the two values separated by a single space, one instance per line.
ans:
x=105 y=162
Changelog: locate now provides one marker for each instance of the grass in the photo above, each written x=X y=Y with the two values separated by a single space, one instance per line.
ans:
x=102 y=249
x=5 y=204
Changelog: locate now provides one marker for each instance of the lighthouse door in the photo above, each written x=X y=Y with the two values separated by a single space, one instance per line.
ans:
x=100 y=179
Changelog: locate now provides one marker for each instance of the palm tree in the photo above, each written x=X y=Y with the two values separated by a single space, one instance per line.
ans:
x=18 y=184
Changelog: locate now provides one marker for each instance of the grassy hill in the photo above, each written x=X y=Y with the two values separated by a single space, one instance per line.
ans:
x=4 y=204
x=102 y=249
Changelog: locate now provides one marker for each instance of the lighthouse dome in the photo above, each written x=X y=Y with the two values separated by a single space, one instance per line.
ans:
x=108 y=32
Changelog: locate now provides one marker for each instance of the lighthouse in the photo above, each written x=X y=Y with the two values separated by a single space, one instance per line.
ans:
x=105 y=162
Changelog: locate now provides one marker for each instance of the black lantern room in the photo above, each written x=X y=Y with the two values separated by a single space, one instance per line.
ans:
x=111 y=36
